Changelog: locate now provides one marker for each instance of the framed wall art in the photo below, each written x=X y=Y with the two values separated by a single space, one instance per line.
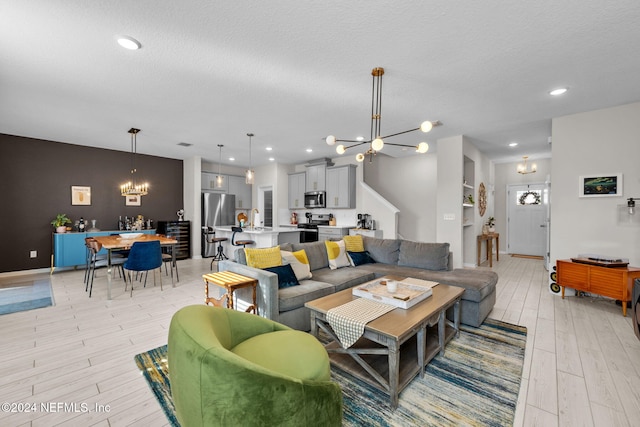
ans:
x=600 y=185
x=80 y=195
x=132 y=200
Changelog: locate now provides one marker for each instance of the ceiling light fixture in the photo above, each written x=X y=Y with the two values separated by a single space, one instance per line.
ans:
x=129 y=43
x=219 y=178
x=559 y=91
x=513 y=144
x=132 y=188
x=523 y=168
x=250 y=173
x=376 y=141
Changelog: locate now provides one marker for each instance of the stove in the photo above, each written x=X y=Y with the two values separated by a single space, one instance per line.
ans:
x=309 y=229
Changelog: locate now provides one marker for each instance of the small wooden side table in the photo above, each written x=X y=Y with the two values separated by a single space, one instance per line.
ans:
x=229 y=281
x=488 y=238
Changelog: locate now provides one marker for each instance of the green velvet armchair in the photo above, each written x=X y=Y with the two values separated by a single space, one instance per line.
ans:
x=232 y=368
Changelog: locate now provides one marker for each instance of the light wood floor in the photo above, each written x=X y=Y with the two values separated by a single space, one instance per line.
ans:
x=582 y=363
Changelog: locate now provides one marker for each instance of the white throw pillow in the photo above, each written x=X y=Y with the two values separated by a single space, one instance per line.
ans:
x=299 y=263
x=337 y=254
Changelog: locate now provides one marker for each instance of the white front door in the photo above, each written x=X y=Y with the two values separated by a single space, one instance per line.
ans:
x=527 y=219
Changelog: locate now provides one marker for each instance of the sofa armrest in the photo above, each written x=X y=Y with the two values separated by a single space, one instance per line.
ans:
x=268 y=305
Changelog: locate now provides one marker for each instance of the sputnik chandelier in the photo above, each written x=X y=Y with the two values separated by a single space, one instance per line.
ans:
x=132 y=188
x=376 y=141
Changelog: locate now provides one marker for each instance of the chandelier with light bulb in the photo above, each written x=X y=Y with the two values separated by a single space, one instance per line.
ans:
x=133 y=188
x=523 y=168
x=376 y=141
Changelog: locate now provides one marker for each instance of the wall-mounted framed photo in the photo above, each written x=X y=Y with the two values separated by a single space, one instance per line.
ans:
x=132 y=200
x=600 y=185
x=80 y=195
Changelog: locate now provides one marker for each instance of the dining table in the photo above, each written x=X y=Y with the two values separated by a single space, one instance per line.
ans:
x=117 y=243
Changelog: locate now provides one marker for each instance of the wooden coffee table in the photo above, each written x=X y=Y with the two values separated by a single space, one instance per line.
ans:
x=396 y=346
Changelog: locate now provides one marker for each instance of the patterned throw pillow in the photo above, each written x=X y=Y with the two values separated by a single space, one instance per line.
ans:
x=263 y=257
x=359 y=258
x=286 y=276
x=299 y=262
x=353 y=243
x=337 y=254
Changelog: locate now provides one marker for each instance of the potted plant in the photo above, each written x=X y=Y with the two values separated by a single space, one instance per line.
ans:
x=491 y=223
x=60 y=223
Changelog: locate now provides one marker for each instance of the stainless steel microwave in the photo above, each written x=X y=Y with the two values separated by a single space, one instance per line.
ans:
x=314 y=199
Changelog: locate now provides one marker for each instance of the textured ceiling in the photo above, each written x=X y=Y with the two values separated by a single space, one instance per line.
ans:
x=293 y=72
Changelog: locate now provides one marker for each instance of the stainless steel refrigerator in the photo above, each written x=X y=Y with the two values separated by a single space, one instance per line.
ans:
x=217 y=210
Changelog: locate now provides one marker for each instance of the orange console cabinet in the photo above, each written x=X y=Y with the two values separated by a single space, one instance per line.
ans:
x=612 y=282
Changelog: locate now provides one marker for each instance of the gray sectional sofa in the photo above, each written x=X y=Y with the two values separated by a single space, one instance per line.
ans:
x=429 y=261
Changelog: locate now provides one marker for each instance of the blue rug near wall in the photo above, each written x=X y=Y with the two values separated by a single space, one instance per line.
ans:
x=476 y=382
x=25 y=294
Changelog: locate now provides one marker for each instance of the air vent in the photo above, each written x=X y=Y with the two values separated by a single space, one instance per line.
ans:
x=184 y=144
x=323 y=161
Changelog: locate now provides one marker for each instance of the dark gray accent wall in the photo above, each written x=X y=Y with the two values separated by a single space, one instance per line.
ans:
x=35 y=184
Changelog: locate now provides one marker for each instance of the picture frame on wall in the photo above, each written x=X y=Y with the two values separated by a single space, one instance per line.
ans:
x=80 y=195
x=600 y=185
x=133 y=200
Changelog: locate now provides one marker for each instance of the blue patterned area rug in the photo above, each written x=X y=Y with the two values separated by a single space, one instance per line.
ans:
x=25 y=293
x=476 y=382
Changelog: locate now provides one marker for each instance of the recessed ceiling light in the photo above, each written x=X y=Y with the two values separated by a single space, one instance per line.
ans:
x=558 y=91
x=129 y=43
x=232 y=159
x=309 y=150
x=513 y=144
x=269 y=148
x=360 y=138
x=271 y=159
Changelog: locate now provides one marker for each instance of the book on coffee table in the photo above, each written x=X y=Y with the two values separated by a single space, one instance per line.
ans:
x=409 y=292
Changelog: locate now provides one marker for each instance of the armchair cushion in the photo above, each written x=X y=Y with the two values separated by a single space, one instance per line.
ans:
x=293 y=353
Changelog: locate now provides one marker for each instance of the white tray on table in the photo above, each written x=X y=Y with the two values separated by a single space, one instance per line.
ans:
x=410 y=292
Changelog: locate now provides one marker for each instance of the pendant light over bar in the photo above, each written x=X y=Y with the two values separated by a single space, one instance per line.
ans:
x=219 y=178
x=249 y=174
x=133 y=188
x=376 y=141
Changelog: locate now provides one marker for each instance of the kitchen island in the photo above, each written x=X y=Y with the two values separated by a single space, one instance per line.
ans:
x=264 y=237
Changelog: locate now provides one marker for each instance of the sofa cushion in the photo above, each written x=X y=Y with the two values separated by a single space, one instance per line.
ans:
x=316 y=252
x=354 y=243
x=286 y=275
x=263 y=257
x=385 y=251
x=359 y=258
x=343 y=278
x=308 y=362
x=295 y=296
x=299 y=262
x=430 y=256
x=337 y=254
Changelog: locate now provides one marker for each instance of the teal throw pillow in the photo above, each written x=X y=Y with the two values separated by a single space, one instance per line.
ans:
x=359 y=258
x=286 y=276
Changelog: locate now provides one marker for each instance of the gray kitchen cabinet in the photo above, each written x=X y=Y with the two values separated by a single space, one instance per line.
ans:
x=341 y=187
x=329 y=232
x=315 y=178
x=242 y=191
x=297 y=187
x=209 y=182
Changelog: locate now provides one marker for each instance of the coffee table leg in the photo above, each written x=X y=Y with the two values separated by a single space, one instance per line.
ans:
x=441 y=331
x=422 y=343
x=394 y=373
x=456 y=316
x=314 y=326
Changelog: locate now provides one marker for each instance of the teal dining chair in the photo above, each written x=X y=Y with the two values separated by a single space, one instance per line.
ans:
x=144 y=256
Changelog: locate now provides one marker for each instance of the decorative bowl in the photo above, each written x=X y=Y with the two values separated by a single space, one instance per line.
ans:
x=130 y=235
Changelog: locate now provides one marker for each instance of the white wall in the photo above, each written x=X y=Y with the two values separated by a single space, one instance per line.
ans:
x=592 y=143
x=191 y=183
x=449 y=196
x=410 y=184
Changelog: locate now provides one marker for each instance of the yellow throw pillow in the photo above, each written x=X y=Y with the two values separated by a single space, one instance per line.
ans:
x=299 y=262
x=353 y=243
x=337 y=254
x=263 y=257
